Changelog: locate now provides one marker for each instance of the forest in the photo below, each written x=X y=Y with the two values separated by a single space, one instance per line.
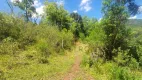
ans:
x=63 y=45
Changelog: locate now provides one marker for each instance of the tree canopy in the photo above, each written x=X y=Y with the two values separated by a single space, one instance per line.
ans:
x=27 y=6
x=57 y=15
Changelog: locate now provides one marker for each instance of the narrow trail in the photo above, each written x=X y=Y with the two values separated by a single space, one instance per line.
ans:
x=76 y=73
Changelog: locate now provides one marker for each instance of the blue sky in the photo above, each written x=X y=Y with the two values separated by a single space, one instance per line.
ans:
x=90 y=8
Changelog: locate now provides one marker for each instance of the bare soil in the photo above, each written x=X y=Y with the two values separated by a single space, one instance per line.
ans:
x=76 y=73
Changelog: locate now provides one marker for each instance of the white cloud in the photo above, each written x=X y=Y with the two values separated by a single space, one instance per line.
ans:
x=39 y=10
x=75 y=11
x=84 y=2
x=140 y=9
x=60 y=2
x=13 y=1
x=100 y=19
x=133 y=17
x=37 y=3
x=85 y=5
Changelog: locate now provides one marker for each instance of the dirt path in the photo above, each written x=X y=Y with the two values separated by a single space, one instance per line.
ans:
x=76 y=73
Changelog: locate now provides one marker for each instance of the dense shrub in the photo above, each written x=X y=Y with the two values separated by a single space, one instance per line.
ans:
x=15 y=34
x=96 y=43
x=51 y=40
x=2 y=75
x=118 y=73
x=44 y=48
x=109 y=70
x=27 y=35
x=9 y=26
x=66 y=39
x=130 y=56
x=124 y=62
x=43 y=60
x=8 y=46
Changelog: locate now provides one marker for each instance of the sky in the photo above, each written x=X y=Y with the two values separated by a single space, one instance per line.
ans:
x=90 y=8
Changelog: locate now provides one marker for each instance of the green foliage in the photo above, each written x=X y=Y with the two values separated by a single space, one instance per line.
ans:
x=124 y=59
x=28 y=35
x=136 y=45
x=111 y=40
x=44 y=49
x=9 y=27
x=115 y=17
x=51 y=40
x=2 y=75
x=66 y=39
x=27 y=7
x=110 y=70
x=56 y=15
x=19 y=35
x=108 y=39
x=8 y=46
x=77 y=26
x=89 y=24
x=43 y=60
x=96 y=43
x=26 y=47
x=19 y=67
x=96 y=36
x=119 y=73
x=85 y=60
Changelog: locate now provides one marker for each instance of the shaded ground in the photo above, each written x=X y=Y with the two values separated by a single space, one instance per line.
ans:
x=76 y=73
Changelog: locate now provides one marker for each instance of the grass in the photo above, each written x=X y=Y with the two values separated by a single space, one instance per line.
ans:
x=110 y=71
x=22 y=68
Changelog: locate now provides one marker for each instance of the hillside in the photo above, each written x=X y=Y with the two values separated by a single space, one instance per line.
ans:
x=134 y=23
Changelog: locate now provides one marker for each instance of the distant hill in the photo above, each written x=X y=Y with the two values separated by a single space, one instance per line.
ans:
x=134 y=23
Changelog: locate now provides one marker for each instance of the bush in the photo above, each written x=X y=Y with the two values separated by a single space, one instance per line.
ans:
x=136 y=46
x=66 y=39
x=112 y=71
x=2 y=75
x=9 y=26
x=44 y=48
x=53 y=40
x=85 y=60
x=28 y=35
x=119 y=73
x=8 y=46
x=43 y=60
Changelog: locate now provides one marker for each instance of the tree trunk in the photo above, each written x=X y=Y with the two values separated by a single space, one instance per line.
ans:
x=62 y=43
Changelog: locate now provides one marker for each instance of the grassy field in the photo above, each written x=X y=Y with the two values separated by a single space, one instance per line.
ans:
x=23 y=68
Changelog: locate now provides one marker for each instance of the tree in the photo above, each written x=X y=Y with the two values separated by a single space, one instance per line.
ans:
x=115 y=17
x=27 y=7
x=89 y=24
x=57 y=15
x=78 y=25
